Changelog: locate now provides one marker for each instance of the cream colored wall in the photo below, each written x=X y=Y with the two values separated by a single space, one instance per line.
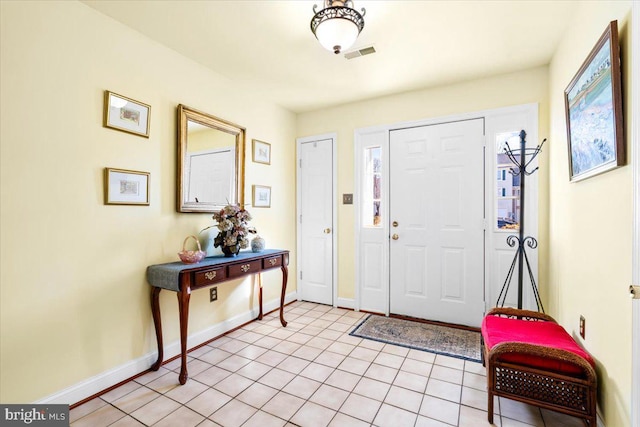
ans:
x=74 y=300
x=524 y=87
x=590 y=223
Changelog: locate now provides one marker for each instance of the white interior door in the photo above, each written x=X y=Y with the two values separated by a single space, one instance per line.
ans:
x=315 y=217
x=437 y=202
x=210 y=175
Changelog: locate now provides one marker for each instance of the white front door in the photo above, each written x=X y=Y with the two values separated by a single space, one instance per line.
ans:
x=437 y=222
x=315 y=220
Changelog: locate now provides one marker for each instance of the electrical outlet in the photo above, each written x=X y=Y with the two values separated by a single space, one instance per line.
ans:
x=213 y=294
x=582 y=326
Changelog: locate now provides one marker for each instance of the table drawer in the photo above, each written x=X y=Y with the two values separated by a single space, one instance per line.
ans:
x=242 y=268
x=211 y=276
x=271 y=262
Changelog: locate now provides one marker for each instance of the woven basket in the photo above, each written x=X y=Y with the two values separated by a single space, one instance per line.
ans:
x=191 y=257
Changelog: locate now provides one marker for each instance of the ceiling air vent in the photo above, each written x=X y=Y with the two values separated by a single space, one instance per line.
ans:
x=360 y=52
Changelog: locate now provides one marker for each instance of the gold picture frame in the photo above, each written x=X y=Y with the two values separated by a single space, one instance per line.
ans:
x=126 y=114
x=261 y=196
x=126 y=187
x=261 y=152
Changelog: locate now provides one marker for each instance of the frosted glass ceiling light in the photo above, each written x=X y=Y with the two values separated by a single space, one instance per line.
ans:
x=338 y=25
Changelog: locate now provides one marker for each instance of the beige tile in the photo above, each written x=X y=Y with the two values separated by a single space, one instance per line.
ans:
x=373 y=389
x=311 y=330
x=519 y=412
x=233 y=346
x=208 y=402
x=330 y=358
x=264 y=329
x=282 y=334
x=381 y=373
x=194 y=367
x=331 y=317
x=233 y=414
x=395 y=350
x=340 y=327
x=152 y=375
x=233 y=363
x=342 y=420
x=233 y=385
x=267 y=342
x=422 y=356
x=286 y=347
x=186 y=392
x=293 y=364
x=115 y=394
x=88 y=407
x=212 y=376
x=355 y=366
x=102 y=416
x=349 y=339
x=250 y=337
x=299 y=338
x=183 y=417
x=254 y=370
x=552 y=418
x=411 y=381
x=317 y=372
x=313 y=415
x=330 y=334
x=318 y=342
x=330 y=397
x=341 y=348
x=319 y=323
x=446 y=374
x=475 y=368
x=263 y=419
x=215 y=356
x=360 y=407
x=283 y=405
x=403 y=398
x=417 y=367
x=390 y=416
x=155 y=410
x=343 y=380
x=439 y=409
x=271 y=358
x=430 y=422
x=134 y=400
x=307 y=353
x=257 y=395
x=390 y=360
x=165 y=383
x=365 y=354
x=126 y=422
x=476 y=381
x=175 y=364
x=444 y=390
x=449 y=362
x=252 y=352
x=301 y=387
x=478 y=399
x=372 y=345
x=276 y=378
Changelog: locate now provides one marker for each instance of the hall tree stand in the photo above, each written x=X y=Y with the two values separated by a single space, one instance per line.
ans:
x=183 y=278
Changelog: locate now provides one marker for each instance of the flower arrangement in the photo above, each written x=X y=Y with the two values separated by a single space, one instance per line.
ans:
x=233 y=223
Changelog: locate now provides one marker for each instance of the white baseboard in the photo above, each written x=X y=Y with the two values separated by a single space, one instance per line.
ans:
x=103 y=381
x=346 y=303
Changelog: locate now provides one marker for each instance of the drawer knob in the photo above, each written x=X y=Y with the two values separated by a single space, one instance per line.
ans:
x=245 y=267
x=272 y=261
x=210 y=275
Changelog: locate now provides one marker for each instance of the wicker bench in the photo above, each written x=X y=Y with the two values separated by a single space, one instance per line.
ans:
x=532 y=359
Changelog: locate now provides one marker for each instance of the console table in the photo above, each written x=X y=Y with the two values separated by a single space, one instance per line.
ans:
x=183 y=278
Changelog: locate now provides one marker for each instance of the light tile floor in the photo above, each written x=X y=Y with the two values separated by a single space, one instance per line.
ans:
x=312 y=374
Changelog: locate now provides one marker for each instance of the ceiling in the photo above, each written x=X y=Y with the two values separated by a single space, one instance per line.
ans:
x=267 y=46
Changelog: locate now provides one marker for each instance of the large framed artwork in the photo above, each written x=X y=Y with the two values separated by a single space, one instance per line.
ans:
x=593 y=103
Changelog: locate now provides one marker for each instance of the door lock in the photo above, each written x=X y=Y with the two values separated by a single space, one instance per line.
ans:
x=327 y=230
x=634 y=291
x=394 y=223
x=395 y=237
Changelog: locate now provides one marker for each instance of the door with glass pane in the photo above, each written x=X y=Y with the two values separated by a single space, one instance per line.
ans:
x=436 y=214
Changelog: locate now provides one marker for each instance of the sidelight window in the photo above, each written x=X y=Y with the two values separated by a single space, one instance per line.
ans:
x=507 y=184
x=372 y=191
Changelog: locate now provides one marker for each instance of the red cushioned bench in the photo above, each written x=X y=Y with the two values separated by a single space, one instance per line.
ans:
x=532 y=359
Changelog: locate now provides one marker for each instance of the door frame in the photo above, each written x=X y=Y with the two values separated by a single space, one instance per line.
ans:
x=382 y=132
x=635 y=252
x=333 y=136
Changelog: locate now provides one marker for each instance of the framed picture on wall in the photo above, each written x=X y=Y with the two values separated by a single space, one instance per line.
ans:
x=125 y=114
x=261 y=152
x=593 y=104
x=261 y=196
x=126 y=187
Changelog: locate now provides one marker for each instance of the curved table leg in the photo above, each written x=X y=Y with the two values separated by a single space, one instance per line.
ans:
x=260 y=314
x=183 y=308
x=155 y=310
x=285 y=274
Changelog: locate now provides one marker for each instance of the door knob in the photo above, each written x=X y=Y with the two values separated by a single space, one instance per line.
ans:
x=327 y=230
x=634 y=292
x=394 y=223
x=395 y=237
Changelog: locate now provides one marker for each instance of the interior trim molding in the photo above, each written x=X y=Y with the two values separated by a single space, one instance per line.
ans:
x=349 y=303
x=104 y=380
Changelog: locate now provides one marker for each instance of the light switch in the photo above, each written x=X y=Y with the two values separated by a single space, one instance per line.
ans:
x=347 y=199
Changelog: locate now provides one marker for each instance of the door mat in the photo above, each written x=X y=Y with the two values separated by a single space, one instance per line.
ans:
x=438 y=339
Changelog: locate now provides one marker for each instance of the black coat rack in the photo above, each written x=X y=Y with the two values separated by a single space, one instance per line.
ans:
x=521 y=158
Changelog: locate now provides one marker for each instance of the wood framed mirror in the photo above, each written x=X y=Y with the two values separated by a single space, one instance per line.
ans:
x=210 y=162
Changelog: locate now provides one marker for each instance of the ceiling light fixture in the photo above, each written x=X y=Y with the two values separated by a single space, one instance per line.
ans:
x=338 y=25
